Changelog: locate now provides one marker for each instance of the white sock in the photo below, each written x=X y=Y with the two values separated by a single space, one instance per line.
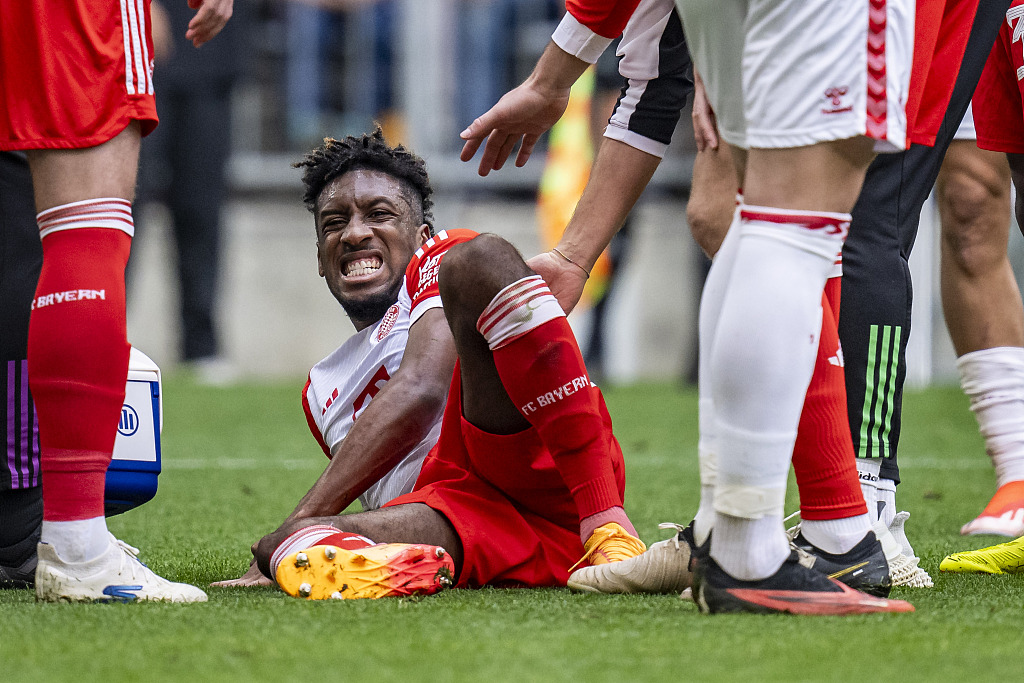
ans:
x=761 y=360
x=707 y=447
x=886 y=501
x=749 y=549
x=78 y=541
x=836 y=536
x=867 y=471
x=993 y=380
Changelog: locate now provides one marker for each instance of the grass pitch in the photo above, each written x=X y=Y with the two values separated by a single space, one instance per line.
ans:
x=236 y=460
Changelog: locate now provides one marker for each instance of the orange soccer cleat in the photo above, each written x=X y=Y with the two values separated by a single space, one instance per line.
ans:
x=384 y=570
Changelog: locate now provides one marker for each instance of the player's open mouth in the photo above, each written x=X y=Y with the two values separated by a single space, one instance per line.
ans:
x=363 y=266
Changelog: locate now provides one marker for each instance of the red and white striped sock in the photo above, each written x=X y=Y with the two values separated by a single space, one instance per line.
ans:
x=78 y=359
x=543 y=372
x=318 y=534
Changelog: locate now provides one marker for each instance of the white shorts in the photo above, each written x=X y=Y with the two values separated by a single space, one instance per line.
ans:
x=966 y=130
x=791 y=73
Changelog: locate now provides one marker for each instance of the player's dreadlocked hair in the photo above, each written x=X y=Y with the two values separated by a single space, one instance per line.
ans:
x=337 y=157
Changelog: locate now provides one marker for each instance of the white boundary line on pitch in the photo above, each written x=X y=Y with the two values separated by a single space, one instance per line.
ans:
x=241 y=464
x=919 y=462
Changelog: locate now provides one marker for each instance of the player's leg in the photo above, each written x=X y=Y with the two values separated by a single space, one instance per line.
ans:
x=78 y=361
x=521 y=367
x=985 y=318
x=877 y=295
x=798 y=191
x=21 y=257
x=392 y=551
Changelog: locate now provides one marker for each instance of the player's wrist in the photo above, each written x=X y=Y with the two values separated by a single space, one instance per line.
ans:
x=572 y=257
x=556 y=71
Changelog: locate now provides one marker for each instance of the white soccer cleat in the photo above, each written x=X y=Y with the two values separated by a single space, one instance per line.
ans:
x=904 y=565
x=115 y=576
x=663 y=568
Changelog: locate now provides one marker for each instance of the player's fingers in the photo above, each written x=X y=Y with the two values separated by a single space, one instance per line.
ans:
x=470 y=148
x=208 y=21
x=495 y=141
x=529 y=140
x=505 y=151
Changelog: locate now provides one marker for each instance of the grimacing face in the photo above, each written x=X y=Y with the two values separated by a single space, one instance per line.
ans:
x=368 y=229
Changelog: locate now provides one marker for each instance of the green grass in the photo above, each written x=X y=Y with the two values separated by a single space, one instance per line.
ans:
x=236 y=461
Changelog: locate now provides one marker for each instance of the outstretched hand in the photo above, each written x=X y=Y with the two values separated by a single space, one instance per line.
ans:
x=253 y=577
x=210 y=18
x=565 y=280
x=524 y=113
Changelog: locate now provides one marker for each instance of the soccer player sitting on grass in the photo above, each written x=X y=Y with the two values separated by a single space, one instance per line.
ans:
x=525 y=479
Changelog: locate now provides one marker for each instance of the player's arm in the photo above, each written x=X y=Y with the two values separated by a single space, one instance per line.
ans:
x=656 y=67
x=395 y=420
x=528 y=111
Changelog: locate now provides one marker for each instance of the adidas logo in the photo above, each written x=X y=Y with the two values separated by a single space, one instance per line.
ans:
x=837 y=359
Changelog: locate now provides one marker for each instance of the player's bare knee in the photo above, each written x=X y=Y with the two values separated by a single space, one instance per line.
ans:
x=473 y=272
x=709 y=222
x=975 y=224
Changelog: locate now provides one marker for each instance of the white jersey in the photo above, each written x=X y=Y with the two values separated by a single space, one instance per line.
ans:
x=342 y=385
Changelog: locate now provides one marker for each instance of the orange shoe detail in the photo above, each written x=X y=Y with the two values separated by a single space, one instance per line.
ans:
x=610 y=543
x=379 y=571
x=1004 y=514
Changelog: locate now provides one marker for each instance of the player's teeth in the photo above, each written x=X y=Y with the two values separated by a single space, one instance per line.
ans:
x=330 y=553
x=305 y=589
x=301 y=560
x=336 y=595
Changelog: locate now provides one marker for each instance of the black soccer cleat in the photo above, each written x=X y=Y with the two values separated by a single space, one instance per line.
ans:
x=863 y=567
x=793 y=589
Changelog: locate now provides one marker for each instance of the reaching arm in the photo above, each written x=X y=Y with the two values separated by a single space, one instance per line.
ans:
x=397 y=419
x=656 y=66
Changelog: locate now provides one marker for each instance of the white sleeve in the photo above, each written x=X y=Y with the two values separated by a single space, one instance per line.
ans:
x=658 y=78
x=578 y=40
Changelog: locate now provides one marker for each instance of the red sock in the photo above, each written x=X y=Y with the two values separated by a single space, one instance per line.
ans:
x=318 y=534
x=78 y=351
x=823 y=457
x=543 y=372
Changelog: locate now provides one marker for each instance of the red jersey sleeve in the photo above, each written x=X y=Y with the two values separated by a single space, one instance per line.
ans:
x=604 y=17
x=421 y=274
x=313 y=426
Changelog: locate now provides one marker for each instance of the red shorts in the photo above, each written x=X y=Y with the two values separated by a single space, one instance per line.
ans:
x=999 y=99
x=503 y=494
x=942 y=31
x=74 y=73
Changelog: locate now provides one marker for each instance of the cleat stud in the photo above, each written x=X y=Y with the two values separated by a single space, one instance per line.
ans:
x=330 y=552
x=439 y=553
x=301 y=560
x=336 y=595
x=305 y=590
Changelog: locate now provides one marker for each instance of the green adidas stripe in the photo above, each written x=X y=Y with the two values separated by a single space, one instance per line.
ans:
x=879 y=390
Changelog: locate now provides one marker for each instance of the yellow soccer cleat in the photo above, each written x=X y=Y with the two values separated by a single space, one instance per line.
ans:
x=610 y=543
x=384 y=570
x=1005 y=558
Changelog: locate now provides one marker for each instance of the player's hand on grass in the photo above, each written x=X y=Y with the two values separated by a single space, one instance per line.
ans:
x=565 y=280
x=210 y=18
x=253 y=577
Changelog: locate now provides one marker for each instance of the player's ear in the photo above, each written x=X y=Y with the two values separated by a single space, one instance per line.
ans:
x=422 y=235
x=319 y=259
